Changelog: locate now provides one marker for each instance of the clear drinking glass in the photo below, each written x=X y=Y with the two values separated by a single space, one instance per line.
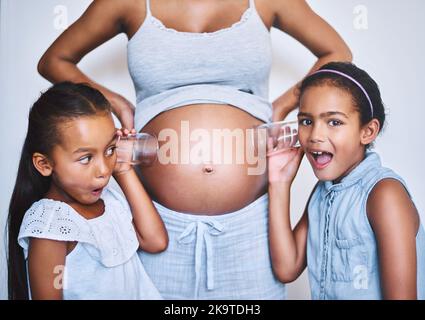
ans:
x=137 y=149
x=275 y=136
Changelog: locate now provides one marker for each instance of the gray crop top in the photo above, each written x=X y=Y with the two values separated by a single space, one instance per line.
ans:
x=171 y=68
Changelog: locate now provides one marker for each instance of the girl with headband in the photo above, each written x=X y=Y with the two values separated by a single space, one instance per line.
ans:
x=360 y=235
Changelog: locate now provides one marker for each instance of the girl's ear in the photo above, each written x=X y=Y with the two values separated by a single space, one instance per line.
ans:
x=42 y=164
x=369 y=132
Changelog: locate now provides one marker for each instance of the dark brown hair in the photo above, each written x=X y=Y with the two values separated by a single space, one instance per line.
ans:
x=62 y=102
x=359 y=99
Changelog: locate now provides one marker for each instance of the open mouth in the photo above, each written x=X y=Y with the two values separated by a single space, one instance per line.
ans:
x=97 y=191
x=321 y=158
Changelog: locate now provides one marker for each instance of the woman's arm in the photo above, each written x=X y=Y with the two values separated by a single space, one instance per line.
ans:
x=297 y=19
x=395 y=221
x=150 y=229
x=103 y=20
x=46 y=263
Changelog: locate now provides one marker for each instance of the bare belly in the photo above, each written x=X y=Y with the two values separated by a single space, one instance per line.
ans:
x=206 y=163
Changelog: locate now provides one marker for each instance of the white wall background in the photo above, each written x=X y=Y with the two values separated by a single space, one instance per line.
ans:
x=391 y=49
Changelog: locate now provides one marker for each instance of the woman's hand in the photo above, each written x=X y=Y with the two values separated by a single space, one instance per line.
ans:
x=286 y=103
x=124 y=152
x=283 y=164
x=123 y=110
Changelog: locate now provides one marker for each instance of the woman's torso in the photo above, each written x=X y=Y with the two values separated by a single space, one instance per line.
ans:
x=194 y=18
x=212 y=186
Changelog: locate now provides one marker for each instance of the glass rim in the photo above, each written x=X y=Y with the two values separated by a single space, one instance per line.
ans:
x=141 y=134
x=276 y=123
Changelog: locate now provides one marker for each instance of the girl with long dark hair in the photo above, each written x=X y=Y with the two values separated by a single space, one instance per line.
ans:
x=71 y=237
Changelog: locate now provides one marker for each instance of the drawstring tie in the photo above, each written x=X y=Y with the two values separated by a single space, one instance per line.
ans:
x=202 y=232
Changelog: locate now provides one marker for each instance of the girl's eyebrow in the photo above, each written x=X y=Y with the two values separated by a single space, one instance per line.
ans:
x=303 y=114
x=332 y=113
x=323 y=115
x=86 y=149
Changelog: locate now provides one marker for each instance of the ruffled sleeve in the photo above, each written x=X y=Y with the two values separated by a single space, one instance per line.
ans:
x=49 y=219
x=109 y=239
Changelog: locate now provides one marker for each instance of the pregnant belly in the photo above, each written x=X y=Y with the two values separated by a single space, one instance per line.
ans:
x=206 y=161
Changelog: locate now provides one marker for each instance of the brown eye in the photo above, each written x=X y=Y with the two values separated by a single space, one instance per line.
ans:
x=85 y=160
x=305 y=122
x=335 y=123
x=110 y=151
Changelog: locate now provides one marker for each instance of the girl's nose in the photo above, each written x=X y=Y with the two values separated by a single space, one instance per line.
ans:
x=102 y=169
x=317 y=134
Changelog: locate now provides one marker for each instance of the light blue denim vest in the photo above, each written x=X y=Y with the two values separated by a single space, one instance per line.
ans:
x=342 y=255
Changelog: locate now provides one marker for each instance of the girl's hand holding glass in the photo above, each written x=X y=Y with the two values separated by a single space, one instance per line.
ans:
x=283 y=164
x=274 y=136
x=135 y=149
x=283 y=151
x=281 y=135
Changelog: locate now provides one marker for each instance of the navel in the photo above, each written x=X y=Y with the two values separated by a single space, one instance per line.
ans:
x=208 y=169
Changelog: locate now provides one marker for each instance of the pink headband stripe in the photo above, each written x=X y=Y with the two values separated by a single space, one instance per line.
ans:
x=349 y=78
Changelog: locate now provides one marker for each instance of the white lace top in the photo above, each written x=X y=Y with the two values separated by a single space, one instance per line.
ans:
x=104 y=264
